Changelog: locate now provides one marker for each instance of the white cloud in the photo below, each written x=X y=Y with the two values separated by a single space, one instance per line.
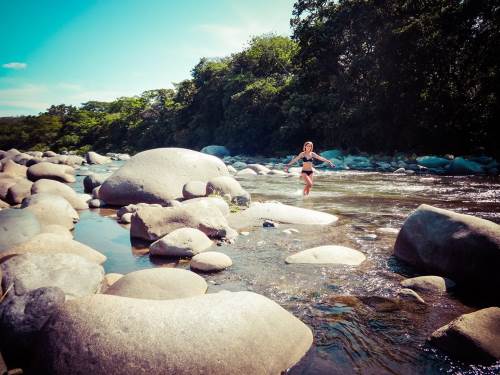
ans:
x=15 y=65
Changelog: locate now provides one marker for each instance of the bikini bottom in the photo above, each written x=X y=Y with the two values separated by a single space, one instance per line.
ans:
x=307 y=172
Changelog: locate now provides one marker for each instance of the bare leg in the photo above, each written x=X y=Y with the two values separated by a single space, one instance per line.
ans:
x=309 y=183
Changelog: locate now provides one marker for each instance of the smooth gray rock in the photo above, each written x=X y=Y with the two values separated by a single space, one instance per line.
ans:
x=210 y=261
x=19 y=191
x=209 y=202
x=194 y=189
x=225 y=185
x=17 y=226
x=92 y=181
x=461 y=247
x=182 y=242
x=60 y=189
x=472 y=337
x=159 y=284
x=63 y=173
x=95 y=158
x=51 y=243
x=14 y=169
x=431 y=284
x=152 y=223
x=158 y=176
x=222 y=333
x=329 y=254
x=73 y=274
x=22 y=317
x=51 y=209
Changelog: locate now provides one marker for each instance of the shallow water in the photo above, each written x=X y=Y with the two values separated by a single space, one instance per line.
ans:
x=358 y=326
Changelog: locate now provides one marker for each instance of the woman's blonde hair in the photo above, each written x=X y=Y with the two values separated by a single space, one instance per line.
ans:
x=308 y=143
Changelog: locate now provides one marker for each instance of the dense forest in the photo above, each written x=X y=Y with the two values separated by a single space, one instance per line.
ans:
x=362 y=75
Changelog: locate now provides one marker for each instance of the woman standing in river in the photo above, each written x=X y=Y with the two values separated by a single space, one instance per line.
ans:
x=307 y=155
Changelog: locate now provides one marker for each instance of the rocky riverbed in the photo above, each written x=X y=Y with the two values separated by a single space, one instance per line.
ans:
x=362 y=318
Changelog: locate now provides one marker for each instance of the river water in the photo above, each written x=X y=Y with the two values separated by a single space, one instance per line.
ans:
x=359 y=325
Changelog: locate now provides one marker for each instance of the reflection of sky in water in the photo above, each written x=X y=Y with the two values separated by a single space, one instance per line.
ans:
x=348 y=338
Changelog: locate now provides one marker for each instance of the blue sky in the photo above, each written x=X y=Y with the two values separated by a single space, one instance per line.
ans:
x=72 y=51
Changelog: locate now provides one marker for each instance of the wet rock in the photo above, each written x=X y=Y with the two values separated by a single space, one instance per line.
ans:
x=60 y=189
x=226 y=185
x=386 y=230
x=329 y=254
x=19 y=191
x=95 y=192
x=157 y=176
x=411 y=295
x=239 y=165
x=159 y=284
x=51 y=209
x=194 y=189
x=92 y=181
x=17 y=226
x=182 y=242
x=73 y=274
x=258 y=168
x=400 y=170
x=152 y=223
x=433 y=161
x=463 y=166
x=95 y=158
x=432 y=284
x=14 y=169
x=228 y=333
x=51 y=243
x=368 y=237
x=219 y=151
x=63 y=173
x=472 y=337
x=462 y=247
x=270 y=224
x=210 y=261
x=126 y=218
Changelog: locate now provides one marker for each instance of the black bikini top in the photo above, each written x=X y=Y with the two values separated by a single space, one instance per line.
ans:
x=306 y=160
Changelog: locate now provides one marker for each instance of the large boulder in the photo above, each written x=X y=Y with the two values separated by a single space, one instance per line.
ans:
x=159 y=284
x=157 y=176
x=51 y=209
x=60 y=189
x=51 y=243
x=73 y=274
x=462 y=247
x=63 y=173
x=95 y=158
x=182 y=242
x=463 y=167
x=473 y=337
x=329 y=254
x=219 y=151
x=17 y=226
x=222 y=333
x=152 y=223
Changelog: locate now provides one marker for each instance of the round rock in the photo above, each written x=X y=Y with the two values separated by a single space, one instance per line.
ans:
x=51 y=209
x=330 y=254
x=210 y=261
x=17 y=226
x=182 y=242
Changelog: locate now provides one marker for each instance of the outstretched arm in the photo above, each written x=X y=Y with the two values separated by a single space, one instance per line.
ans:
x=293 y=161
x=316 y=156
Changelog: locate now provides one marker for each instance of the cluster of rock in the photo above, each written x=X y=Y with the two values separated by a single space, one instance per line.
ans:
x=465 y=252
x=57 y=300
x=399 y=163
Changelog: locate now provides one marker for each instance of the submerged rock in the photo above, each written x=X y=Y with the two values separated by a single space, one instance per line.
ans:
x=159 y=284
x=330 y=254
x=227 y=333
x=434 y=284
x=158 y=176
x=473 y=337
